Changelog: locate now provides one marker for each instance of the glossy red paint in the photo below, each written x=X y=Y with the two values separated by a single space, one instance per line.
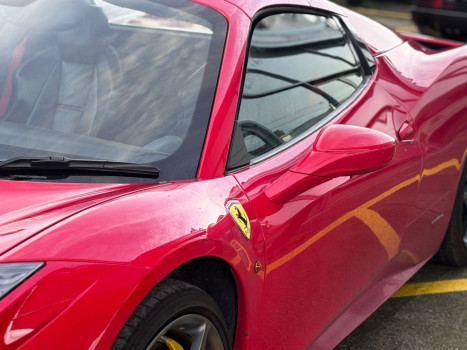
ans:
x=425 y=39
x=217 y=144
x=332 y=227
x=33 y=208
x=332 y=247
x=160 y=239
x=55 y=298
x=346 y=150
x=339 y=150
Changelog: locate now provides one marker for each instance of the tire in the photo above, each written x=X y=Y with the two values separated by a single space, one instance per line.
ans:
x=453 y=250
x=175 y=315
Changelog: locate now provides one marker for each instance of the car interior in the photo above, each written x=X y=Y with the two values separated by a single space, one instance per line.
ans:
x=88 y=78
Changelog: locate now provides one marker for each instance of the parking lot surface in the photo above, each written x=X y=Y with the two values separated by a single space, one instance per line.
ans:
x=429 y=312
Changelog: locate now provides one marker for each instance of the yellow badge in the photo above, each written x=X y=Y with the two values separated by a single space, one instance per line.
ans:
x=240 y=217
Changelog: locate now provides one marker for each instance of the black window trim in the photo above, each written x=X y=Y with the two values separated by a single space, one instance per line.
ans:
x=368 y=73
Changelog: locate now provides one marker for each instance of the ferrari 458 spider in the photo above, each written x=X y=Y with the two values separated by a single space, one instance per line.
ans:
x=219 y=174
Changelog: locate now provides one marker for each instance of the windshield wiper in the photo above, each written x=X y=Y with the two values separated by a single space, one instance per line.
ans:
x=62 y=167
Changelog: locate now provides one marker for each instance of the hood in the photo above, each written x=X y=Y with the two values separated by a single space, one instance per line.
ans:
x=128 y=225
x=27 y=208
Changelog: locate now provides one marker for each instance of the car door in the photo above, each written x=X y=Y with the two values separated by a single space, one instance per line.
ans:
x=324 y=244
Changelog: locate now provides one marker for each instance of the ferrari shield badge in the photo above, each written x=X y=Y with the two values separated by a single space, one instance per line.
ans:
x=238 y=213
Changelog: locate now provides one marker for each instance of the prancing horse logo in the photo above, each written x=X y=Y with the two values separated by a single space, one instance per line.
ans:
x=238 y=213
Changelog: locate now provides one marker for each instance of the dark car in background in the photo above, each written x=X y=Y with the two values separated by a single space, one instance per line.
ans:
x=442 y=18
x=361 y=2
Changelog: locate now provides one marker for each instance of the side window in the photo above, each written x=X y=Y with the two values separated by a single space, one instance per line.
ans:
x=300 y=68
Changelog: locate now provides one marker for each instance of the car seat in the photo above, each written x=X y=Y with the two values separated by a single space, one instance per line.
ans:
x=68 y=86
x=15 y=45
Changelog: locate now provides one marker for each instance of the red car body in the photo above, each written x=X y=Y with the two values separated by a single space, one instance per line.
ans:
x=319 y=260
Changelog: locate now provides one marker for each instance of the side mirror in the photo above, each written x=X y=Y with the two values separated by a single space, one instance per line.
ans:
x=339 y=150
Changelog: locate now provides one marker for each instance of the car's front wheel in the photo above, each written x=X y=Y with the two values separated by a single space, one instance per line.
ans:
x=453 y=250
x=175 y=316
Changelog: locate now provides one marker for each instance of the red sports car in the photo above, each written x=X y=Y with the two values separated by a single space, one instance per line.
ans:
x=217 y=174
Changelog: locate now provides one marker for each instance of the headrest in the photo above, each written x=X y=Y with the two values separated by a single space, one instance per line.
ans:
x=84 y=42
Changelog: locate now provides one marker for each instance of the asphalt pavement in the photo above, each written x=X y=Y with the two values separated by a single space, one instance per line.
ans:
x=428 y=313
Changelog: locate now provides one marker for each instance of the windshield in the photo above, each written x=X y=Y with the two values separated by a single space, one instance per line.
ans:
x=119 y=80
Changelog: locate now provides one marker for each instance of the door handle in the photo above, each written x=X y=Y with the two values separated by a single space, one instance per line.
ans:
x=406 y=132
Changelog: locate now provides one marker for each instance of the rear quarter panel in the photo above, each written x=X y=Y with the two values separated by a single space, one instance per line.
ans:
x=432 y=86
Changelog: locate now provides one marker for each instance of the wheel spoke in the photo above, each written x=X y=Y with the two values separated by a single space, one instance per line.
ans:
x=199 y=337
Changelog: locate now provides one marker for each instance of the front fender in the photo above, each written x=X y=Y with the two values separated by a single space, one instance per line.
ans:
x=158 y=230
